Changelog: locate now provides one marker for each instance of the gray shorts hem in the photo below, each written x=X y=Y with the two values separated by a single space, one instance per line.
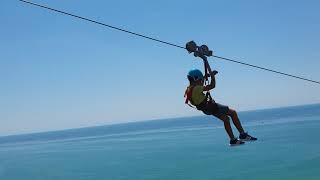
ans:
x=215 y=109
x=221 y=110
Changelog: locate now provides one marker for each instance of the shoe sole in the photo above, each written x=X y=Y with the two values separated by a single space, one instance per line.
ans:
x=237 y=144
x=248 y=139
x=233 y=145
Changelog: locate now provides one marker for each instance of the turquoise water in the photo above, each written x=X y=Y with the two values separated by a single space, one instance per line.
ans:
x=185 y=148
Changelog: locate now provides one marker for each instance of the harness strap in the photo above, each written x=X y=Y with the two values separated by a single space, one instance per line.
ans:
x=188 y=96
x=208 y=96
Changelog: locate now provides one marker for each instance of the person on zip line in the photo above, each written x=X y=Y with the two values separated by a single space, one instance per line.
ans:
x=195 y=94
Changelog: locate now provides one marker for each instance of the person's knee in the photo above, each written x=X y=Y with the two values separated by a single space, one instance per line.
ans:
x=225 y=119
x=232 y=112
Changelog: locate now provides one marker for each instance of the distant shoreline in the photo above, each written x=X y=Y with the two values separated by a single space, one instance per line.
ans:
x=155 y=120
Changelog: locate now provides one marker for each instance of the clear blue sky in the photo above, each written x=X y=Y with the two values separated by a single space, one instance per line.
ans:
x=57 y=72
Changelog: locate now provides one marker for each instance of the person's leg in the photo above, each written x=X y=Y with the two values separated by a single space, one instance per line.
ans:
x=243 y=135
x=235 y=119
x=227 y=125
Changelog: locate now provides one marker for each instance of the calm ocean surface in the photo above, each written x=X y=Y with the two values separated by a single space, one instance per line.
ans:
x=186 y=148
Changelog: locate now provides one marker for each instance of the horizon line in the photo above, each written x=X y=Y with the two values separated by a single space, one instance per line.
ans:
x=142 y=121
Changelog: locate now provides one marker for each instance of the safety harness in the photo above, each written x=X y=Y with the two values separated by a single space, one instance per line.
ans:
x=188 y=96
x=188 y=100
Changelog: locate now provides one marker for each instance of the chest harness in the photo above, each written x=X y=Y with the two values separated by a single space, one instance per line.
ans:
x=189 y=102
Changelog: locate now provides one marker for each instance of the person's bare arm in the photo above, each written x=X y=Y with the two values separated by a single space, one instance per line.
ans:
x=209 y=73
x=206 y=65
x=212 y=83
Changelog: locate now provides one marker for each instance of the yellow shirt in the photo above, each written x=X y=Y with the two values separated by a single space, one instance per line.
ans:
x=197 y=95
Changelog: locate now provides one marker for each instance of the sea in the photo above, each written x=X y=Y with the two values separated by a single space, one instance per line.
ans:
x=191 y=148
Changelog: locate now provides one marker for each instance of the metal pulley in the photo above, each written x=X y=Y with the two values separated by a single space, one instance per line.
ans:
x=198 y=51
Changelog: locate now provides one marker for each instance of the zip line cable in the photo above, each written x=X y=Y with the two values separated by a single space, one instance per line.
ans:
x=266 y=69
x=160 y=41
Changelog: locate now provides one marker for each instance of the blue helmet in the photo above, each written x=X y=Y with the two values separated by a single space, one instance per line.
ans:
x=196 y=74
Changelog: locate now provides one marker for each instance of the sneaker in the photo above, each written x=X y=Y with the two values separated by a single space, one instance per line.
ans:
x=234 y=142
x=247 y=137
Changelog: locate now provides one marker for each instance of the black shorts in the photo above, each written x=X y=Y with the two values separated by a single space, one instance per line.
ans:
x=215 y=109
